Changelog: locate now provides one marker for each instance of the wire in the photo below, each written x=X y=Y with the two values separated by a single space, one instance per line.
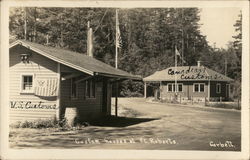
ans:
x=100 y=21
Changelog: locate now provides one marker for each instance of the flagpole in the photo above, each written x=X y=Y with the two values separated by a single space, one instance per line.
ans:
x=175 y=70
x=116 y=39
x=116 y=60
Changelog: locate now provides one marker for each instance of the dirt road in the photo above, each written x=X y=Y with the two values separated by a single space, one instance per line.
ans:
x=147 y=126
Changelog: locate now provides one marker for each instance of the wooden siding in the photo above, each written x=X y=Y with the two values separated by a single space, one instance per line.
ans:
x=40 y=67
x=223 y=90
x=87 y=108
x=187 y=90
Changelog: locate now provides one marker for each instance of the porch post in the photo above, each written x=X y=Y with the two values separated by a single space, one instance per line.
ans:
x=58 y=110
x=208 y=92
x=145 y=90
x=160 y=89
x=116 y=99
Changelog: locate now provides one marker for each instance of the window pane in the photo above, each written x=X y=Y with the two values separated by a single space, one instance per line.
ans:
x=202 y=87
x=29 y=79
x=180 y=87
x=170 y=87
x=196 y=87
x=27 y=82
x=25 y=79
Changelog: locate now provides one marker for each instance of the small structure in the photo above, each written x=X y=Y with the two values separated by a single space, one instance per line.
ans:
x=46 y=81
x=193 y=82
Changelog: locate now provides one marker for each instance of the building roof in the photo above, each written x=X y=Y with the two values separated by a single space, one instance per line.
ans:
x=76 y=60
x=187 y=73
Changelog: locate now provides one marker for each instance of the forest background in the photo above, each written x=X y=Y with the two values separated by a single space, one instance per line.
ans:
x=148 y=36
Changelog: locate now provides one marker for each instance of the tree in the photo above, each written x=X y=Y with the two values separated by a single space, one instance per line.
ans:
x=149 y=35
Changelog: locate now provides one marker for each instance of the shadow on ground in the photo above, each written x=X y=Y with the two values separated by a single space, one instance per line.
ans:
x=112 y=121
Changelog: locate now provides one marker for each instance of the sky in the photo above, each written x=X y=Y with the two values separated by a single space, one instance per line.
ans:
x=218 y=25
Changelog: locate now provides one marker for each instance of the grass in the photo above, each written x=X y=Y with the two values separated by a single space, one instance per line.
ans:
x=232 y=105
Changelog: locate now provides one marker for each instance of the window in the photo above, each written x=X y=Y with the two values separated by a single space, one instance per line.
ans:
x=218 y=88
x=179 y=87
x=90 y=88
x=196 y=87
x=202 y=88
x=171 y=87
x=27 y=84
x=73 y=88
x=199 y=87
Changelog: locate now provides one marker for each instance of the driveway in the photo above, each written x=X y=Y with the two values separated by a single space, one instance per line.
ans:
x=144 y=125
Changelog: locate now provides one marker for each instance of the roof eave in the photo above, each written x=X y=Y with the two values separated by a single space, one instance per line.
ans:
x=120 y=76
x=18 y=42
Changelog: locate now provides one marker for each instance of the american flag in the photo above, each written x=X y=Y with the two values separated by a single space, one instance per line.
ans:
x=46 y=87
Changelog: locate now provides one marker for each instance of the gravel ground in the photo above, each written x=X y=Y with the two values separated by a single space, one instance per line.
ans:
x=143 y=125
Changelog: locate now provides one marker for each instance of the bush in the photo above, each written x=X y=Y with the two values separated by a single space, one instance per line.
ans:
x=40 y=123
x=49 y=123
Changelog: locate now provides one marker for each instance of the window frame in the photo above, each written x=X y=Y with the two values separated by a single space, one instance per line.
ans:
x=181 y=87
x=199 y=87
x=218 y=84
x=89 y=95
x=71 y=87
x=173 y=87
x=23 y=91
x=169 y=84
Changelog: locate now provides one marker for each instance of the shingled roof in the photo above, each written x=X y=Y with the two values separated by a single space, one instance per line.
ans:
x=76 y=60
x=187 y=73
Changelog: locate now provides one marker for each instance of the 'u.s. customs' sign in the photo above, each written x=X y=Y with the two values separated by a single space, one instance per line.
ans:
x=31 y=105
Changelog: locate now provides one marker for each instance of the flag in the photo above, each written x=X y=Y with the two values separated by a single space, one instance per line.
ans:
x=46 y=87
x=177 y=52
x=118 y=34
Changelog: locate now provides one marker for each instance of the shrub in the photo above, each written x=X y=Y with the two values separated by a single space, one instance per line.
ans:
x=49 y=123
x=40 y=123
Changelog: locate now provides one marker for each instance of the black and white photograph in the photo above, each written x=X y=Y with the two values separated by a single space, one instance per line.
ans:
x=123 y=76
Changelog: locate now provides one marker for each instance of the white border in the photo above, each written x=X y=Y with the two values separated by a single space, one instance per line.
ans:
x=122 y=154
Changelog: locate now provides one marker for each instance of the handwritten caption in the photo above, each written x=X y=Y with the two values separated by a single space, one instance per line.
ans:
x=127 y=141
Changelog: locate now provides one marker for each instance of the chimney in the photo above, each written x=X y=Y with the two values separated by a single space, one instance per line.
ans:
x=90 y=41
x=198 y=63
